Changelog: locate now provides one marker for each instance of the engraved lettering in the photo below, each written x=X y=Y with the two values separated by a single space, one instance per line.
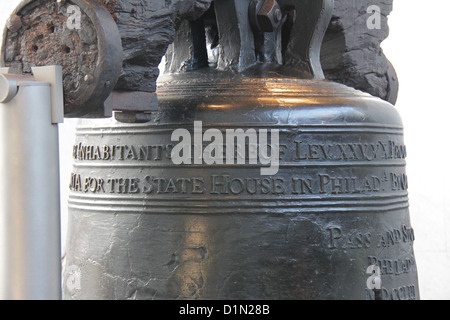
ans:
x=355 y=240
x=144 y=153
x=220 y=181
x=183 y=182
x=236 y=186
x=349 y=151
x=111 y=184
x=393 y=266
x=120 y=150
x=399 y=181
x=148 y=186
x=301 y=186
x=90 y=152
x=75 y=151
x=169 y=185
x=122 y=185
x=335 y=233
x=326 y=150
x=158 y=151
x=106 y=153
x=251 y=185
x=75 y=182
x=97 y=154
x=324 y=180
x=363 y=150
x=353 y=151
x=397 y=151
x=395 y=236
x=407 y=234
x=100 y=185
x=375 y=149
x=82 y=152
x=159 y=184
x=90 y=185
x=342 y=155
x=197 y=185
x=385 y=150
x=131 y=154
x=346 y=185
x=298 y=154
x=313 y=151
x=403 y=293
x=93 y=185
x=278 y=186
x=224 y=184
x=133 y=186
x=406 y=292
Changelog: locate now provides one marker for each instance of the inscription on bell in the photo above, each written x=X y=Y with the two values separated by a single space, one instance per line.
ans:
x=302 y=151
x=406 y=292
x=338 y=239
x=231 y=185
x=393 y=266
x=350 y=151
x=121 y=152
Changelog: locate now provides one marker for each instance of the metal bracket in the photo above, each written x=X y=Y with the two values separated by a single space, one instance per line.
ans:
x=53 y=75
x=10 y=83
x=30 y=108
x=8 y=87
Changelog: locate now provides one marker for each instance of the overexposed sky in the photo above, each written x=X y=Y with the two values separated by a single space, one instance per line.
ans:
x=418 y=48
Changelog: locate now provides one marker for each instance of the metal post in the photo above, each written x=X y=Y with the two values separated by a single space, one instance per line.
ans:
x=30 y=261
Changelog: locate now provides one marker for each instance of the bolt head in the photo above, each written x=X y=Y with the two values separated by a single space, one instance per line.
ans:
x=269 y=16
x=277 y=15
x=14 y=23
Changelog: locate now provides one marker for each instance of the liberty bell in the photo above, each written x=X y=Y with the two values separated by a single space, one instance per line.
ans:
x=243 y=175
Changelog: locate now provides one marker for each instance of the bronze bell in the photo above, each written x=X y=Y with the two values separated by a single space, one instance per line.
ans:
x=250 y=177
x=328 y=220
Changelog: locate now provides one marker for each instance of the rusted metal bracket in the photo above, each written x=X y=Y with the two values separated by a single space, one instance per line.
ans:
x=52 y=75
x=102 y=46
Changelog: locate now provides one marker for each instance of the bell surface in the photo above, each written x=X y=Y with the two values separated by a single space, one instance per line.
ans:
x=330 y=220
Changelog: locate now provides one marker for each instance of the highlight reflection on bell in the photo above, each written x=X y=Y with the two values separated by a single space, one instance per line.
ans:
x=144 y=227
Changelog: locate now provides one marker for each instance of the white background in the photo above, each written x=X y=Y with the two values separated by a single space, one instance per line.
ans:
x=417 y=47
